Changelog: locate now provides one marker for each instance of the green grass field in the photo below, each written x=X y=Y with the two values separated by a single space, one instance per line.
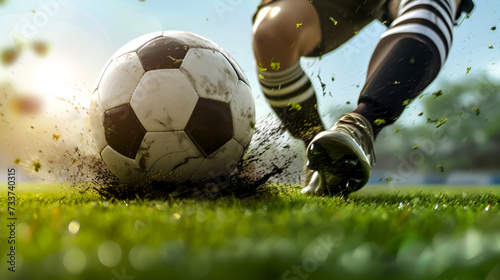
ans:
x=378 y=233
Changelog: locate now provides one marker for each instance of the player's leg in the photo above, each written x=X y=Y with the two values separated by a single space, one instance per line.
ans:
x=283 y=31
x=406 y=60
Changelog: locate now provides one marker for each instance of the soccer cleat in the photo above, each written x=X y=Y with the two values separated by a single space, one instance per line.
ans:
x=341 y=157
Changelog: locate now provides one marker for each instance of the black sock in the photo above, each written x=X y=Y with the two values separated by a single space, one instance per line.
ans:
x=407 y=59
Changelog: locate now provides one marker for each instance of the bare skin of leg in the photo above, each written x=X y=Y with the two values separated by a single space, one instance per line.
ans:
x=284 y=31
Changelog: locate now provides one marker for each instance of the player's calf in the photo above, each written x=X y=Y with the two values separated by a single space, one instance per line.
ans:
x=292 y=97
x=407 y=58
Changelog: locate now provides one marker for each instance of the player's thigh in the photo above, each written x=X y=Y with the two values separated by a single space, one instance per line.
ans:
x=342 y=19
x=312 y=28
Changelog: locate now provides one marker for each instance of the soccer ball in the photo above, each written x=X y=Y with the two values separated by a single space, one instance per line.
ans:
x=171 y=106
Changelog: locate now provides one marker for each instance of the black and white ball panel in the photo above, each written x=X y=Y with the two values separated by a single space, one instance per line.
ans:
x=162 y=53
x=243 y=114
x=125 y=168
x=210 y=125
x=222 y=162
x=164 y=100
x=131 y=46
x=123 y=130
x=169 y=156
x=210 y=73
x=236 y=67
x=119 y=81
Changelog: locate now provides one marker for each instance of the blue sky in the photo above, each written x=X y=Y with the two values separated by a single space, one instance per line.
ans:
x=84 y=34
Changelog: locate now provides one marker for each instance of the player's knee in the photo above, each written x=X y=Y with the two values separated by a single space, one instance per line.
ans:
x=262 y=37
x=270 y=32
x=272 y=43
x=284 y=32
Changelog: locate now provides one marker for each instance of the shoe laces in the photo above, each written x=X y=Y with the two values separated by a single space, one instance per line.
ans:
x=360 y=129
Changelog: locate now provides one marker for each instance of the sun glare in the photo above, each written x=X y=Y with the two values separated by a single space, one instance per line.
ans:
x=58 y=86
x=54 y=79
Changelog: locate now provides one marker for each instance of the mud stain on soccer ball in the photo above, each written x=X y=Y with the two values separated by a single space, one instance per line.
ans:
x=219 y=89
x=269 y=158
x=144 y=152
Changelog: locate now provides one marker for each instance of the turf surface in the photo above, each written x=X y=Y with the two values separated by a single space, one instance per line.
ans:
x=377 y=233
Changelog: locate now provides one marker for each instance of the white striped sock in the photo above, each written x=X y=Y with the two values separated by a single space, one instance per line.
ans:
x=431 y=18
x=286 y=87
